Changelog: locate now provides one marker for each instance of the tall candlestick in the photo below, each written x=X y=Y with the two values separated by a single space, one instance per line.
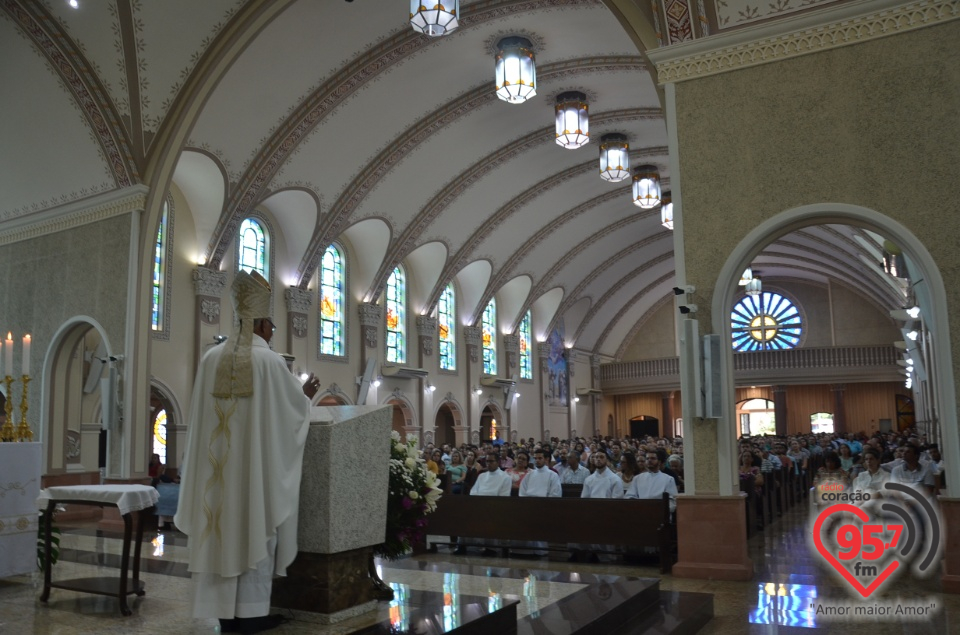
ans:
x=26 y=354
x=1 y=358
x=8 y=354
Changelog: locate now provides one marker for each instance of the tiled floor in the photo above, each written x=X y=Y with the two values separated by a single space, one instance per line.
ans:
x=790 y=577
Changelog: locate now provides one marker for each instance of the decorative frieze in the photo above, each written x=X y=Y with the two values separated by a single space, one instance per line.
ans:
x=511 y=344
x=473 y=336
x=371 y=316
x=298 y=300
x=209 y=282
x=426 y=329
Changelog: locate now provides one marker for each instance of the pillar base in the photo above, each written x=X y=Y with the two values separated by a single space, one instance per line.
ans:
x=712 y=538
x=329 y=583
x=950 y=535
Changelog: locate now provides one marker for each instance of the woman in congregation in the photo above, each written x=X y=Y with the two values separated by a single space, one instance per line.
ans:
x=629 y=468
x=472 y=471
x=847 y=459
x=521 y=468
x=457 y=471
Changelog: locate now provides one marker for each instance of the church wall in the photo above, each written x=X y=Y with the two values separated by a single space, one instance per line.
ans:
x=854 y=125
x=834 y=316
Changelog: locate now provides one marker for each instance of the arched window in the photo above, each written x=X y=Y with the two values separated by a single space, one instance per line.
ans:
x=764 y=322
x=757 y=417
x=252 y=250
x=489 y=325
x=526 y=351
x=159 y=272
x=821 y=422
x=160 y=436
x=396 y=317
x=447 y=325
x=331 y=302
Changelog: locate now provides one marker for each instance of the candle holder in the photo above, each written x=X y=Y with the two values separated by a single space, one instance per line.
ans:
x=7 y=432
x=24 y=433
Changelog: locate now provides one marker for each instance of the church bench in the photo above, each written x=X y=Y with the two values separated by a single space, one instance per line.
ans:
x=558 y=521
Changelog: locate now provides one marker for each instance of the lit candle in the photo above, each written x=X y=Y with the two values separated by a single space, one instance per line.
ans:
x=1 y=359
x=26 y=354
x=8 y=354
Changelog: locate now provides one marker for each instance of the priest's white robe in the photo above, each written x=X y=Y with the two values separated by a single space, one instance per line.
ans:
x=241 y=485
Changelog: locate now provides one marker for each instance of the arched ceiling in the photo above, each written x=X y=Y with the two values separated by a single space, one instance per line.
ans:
x=346 y=125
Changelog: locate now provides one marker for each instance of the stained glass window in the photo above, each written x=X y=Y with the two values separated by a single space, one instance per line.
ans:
x=489 y=325
x=160 y=436
x=252 y=250
x=765 y=322
x=159 y=254
x=526 y=350
x=446 y=322
x=331 y=302
x=396 y=317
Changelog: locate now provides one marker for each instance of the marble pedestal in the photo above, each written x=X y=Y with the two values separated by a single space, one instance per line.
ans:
x=343 y=513
x=712 y=538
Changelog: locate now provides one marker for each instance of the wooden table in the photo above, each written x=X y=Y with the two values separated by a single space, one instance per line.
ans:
x=129 y=499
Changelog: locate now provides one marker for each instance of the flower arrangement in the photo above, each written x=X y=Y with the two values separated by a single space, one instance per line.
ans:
x=413 y=493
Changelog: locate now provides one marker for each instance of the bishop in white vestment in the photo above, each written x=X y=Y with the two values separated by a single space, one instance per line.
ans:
x=248 y=424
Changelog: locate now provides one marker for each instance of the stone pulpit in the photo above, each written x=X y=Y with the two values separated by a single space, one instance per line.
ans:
x=343 y=514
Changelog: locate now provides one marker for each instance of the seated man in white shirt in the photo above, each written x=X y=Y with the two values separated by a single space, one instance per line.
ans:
x=914 y=473
x=492 y=482
x=653 y=483
x=541 y=481
x=603 y=483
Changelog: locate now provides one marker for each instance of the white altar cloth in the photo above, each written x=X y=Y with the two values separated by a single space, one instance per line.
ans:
x=20 y=465
x=129 y=498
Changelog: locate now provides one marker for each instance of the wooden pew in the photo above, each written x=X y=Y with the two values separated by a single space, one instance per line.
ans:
x=559 y=521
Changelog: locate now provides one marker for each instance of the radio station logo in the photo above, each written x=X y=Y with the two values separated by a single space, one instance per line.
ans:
x=870 y=540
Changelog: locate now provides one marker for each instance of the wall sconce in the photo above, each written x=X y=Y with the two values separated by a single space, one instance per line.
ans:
x=477 y=390
x=430 y=387
x=576 y=400
x=377 y=381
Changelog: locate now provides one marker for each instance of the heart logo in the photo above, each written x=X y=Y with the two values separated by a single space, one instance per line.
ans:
x=865 y=591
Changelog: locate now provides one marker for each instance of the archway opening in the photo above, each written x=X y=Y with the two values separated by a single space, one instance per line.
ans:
x=644 y=426
x=755 y=418
x=444 y=424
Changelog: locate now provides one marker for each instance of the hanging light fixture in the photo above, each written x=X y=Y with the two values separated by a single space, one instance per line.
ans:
x=746 y=277
x=573 y=121
x=439 y=20
x=666 y=210
x=754 y=287
x=614 y=157
x=516 y=70
x=646 y=186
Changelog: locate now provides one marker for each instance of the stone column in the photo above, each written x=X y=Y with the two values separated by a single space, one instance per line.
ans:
x=208 y=286
x=666 y=401
x=371 y=317
x=298 y=309
x=543 y=352
x=780 y=409
x=839 y=409
x=596 y=401
x=426 y=332
x=472 y=337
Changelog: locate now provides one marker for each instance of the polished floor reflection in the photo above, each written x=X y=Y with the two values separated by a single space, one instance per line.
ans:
x=790 y=581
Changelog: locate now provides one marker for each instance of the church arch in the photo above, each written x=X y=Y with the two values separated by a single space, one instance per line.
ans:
x=62 y=389
x=448 y=417
x=404 y=415
x=935 y=311
x=161 y=396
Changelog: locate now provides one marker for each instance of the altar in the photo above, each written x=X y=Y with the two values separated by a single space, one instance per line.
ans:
x=20 y=466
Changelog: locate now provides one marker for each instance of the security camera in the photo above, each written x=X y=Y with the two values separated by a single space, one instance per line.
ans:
x=688 y=308
x=684 y=290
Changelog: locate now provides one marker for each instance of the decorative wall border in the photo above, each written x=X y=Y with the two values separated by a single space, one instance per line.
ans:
x=829 y=28
x=76 y=214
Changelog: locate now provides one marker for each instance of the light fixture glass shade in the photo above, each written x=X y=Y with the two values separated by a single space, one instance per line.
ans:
x=436 y=20
x=573 y=120
x=666 y=210
x=646 y=186
x=516 y=70
x=746 y=277
x=614 y=157
x=754 y=287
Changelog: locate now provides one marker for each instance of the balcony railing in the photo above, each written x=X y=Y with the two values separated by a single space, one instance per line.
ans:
x=799 y=365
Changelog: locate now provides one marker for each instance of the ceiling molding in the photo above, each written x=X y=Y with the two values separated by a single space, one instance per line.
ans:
x=832 y=27
x=76 y=214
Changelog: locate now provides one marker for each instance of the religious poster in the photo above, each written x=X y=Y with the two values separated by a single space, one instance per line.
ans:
x=557 y=391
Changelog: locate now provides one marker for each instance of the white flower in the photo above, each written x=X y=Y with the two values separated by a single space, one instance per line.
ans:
x=395 y=435
x=410 y=463
x=413 y=495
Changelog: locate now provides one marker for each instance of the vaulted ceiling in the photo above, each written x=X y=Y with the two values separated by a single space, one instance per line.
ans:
x=344 y=124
